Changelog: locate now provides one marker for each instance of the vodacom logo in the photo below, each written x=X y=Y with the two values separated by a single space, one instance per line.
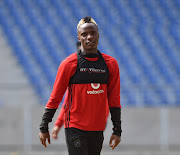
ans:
x=95 y=86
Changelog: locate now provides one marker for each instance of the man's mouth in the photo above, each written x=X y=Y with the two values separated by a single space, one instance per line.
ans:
x=90 y=43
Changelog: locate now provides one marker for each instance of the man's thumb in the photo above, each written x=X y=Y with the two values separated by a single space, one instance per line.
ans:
x=110 y=141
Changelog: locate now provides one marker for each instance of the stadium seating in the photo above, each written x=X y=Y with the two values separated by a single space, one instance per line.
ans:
x=143 y=35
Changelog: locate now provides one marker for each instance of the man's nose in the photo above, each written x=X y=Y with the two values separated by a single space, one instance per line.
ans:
x=89 y=36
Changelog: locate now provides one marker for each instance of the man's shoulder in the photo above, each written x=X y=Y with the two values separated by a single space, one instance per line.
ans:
x=71 y=59
x=108 y=58
x=111 y=62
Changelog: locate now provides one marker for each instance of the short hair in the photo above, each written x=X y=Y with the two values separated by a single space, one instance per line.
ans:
x=84 y=20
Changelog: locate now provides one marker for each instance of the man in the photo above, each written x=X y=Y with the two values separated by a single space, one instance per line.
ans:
x=92 y=79
x=60 y=120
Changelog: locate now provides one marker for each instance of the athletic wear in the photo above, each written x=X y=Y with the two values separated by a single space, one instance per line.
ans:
x=116 y=119
x=60 y=120
x=47 y=117
x=81 y=142
x=91 y=84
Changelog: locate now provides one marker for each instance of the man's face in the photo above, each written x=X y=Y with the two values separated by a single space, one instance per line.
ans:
x=88 y=35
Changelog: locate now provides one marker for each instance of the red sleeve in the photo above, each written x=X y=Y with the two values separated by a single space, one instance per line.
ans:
x=60 y=120
x=113 y=82
x=65 y=71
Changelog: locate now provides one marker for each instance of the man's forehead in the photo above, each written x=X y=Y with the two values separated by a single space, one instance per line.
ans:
x=88 y=26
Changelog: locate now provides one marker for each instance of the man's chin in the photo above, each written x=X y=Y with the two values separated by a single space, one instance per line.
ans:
x=91 y=47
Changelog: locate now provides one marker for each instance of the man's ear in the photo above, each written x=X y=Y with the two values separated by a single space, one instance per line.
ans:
x=78 y=38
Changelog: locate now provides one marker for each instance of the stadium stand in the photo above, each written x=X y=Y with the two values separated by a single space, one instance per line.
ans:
x=143 y=36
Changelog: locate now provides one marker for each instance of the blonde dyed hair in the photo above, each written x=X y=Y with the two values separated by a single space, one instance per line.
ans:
x=86 y=20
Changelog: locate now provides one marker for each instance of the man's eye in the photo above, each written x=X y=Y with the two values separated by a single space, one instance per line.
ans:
x=83 y=34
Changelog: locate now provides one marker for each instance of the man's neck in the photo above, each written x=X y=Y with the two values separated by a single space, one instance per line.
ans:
x=92 y=51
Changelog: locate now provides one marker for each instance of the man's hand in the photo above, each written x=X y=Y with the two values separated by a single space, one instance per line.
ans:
x=116 y=140
x=55 y=132
x=43 y=137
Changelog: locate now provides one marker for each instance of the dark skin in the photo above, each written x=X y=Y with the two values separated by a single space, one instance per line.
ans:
x=43 y=137
x=88 y=35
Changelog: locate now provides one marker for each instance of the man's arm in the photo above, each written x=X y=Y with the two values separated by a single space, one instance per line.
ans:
x=65 y=71
x=114 y=101
x=59 y=121
x=44 y=132
x=116 y=120
x=47 y=117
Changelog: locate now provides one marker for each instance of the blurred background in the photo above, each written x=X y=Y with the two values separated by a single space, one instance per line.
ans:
x=143 y=36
